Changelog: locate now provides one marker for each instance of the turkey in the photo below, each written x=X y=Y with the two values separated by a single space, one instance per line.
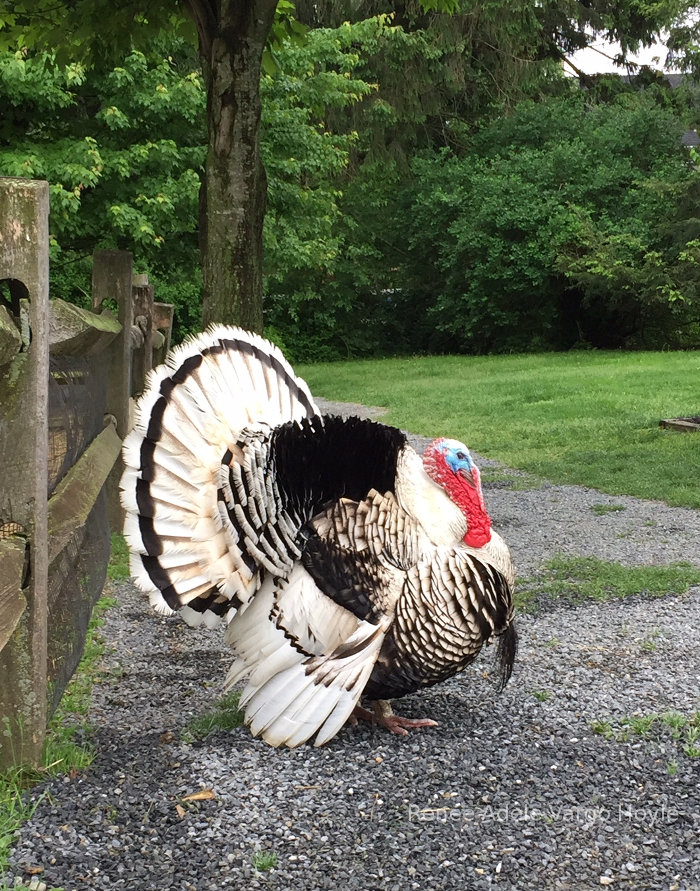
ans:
x=344 y=565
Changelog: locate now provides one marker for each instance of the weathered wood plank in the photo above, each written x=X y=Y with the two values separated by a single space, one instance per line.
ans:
x=77 y=492
x=111 y=281
x=12 y=601
x=163 y=315
x=16 y=443
x=24 y=258
x=684 y=425
x=112 y=273
x=142 y=296
x=77 y=332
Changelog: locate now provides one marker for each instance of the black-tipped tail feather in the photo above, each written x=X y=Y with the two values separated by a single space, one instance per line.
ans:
x=506 y=653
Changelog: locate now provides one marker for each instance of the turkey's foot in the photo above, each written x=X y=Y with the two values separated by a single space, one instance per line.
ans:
x=385 y=717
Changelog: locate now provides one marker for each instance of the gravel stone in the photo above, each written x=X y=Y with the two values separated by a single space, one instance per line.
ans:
x=512 y=791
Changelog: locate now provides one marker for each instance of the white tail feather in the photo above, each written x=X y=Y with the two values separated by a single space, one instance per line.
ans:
x=317 y=693
x=291 y=643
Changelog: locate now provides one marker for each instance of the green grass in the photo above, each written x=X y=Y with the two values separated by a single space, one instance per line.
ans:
x=589 y=418
x=14 y=811
x=541 y=695
x=682 y=729
x=66 y=748
x=578 y=580
x=603 y=728
x=264 y=860
x=600 y=510
x=77 y=696
x=118 y=568
x=692 y=746
x=224 y=716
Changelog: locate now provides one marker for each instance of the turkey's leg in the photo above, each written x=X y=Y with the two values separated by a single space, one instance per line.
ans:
x=383 y=715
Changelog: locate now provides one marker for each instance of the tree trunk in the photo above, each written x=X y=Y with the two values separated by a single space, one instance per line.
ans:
x=232 y=37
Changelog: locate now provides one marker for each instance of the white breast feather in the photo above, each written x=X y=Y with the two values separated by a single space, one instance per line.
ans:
x=497 y=554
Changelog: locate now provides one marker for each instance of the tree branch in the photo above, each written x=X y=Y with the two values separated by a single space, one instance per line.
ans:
x=204 y=15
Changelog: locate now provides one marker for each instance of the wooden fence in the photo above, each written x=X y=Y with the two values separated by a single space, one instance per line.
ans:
x=67 y=376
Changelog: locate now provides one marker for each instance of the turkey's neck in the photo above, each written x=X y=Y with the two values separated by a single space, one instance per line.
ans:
x=470 y=501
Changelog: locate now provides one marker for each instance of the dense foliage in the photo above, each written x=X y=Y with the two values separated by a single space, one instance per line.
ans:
x=122 y=150
x=493 y=205
x=562 y=223
x=570 y=221
x=426 y=191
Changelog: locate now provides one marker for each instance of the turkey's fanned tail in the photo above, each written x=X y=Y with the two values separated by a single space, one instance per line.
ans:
x=214 y=389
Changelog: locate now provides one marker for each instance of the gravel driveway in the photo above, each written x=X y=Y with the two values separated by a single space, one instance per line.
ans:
x=513 y=791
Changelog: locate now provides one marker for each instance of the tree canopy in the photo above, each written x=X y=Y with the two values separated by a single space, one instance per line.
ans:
x=431 y=180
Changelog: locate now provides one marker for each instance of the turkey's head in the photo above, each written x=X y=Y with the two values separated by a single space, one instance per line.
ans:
x=448 y=463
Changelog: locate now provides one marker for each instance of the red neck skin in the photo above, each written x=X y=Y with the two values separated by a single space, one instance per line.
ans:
x=467 y=495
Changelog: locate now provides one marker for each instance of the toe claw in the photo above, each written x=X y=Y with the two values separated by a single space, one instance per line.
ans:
x=384 y=716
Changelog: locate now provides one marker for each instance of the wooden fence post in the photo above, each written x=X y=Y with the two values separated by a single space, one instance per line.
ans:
x=112 y=273
x=111 y=280
x=24 y=258
x=142 y=297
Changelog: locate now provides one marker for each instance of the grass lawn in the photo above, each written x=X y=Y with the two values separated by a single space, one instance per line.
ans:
x=578 y=580
x=589 y=418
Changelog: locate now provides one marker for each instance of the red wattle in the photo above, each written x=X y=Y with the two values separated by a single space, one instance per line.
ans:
x=477 y=538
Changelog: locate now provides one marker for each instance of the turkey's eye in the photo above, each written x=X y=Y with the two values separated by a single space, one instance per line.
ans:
x=461 y=456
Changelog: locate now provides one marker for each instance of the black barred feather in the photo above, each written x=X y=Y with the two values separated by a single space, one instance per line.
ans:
x=349 y=578
x=338 y=564
x=439 y=629
x=506 y=653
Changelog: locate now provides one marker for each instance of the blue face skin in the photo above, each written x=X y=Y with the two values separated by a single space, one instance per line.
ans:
x=457 y=457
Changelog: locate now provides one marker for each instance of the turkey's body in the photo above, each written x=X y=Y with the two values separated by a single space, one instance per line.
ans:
x=343 y=564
